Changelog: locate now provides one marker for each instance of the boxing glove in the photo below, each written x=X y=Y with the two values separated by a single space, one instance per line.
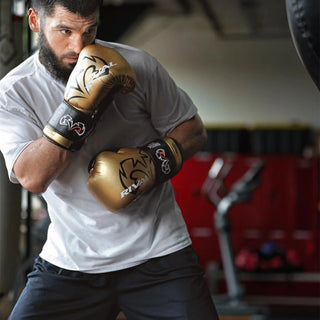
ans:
x=118 y=178
x=99 y=73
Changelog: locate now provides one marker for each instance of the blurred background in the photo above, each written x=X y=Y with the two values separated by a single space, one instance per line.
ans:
x=250 y=198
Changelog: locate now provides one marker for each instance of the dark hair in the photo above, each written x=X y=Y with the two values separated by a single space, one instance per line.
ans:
x=82 y=7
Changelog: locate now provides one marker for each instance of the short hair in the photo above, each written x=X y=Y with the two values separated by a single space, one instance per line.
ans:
x=82 y=7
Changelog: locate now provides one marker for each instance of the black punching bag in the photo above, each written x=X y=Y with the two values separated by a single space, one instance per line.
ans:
x=303 y=18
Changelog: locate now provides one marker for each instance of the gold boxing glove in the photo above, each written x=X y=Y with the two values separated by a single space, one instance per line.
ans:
x=118 y=178
x=99 y=72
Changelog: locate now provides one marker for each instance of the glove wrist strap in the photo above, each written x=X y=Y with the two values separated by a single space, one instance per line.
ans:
x=166 y=156
x=68 y=127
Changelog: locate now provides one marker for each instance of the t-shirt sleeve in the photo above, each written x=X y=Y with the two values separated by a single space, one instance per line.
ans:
x=17 y=131
x=167 y=103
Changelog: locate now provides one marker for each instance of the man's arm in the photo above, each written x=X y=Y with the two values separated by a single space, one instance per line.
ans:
x=191 y=136
x=39 y=164
x=99 y=73
x=118 y=178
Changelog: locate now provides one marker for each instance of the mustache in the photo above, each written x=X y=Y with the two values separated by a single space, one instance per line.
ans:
x=71 y=55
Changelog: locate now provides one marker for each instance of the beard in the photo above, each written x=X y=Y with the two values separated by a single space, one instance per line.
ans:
x=49 y=59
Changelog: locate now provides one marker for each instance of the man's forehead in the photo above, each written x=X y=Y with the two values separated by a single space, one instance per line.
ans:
x=63 y=14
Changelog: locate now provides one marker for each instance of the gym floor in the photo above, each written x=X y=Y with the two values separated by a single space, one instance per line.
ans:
x=295 y=313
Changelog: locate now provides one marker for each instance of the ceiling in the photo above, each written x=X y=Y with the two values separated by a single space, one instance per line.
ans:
x=230 y=19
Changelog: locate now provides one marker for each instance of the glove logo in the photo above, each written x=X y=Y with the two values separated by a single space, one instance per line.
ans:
x=78 y=127
x=103 y=71
x=133 y=173
x=165 y=165
x=96 y=68
x=133 y=188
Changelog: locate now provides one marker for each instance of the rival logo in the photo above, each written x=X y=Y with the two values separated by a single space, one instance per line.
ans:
x=165 y=165
x=78 y=127
x=95 y=67
x=103 y=71
x=134 y=187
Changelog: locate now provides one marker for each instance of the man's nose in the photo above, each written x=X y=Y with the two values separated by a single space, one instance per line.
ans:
x=76 y=43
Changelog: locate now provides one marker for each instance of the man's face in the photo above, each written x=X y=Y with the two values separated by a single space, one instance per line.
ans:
x=61 y=38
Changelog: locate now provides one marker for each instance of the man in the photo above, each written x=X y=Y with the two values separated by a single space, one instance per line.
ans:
x=106 y=250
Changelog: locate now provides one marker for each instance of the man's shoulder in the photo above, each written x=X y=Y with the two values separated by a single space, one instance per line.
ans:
x=132 y=54
x=119 y=46
x=143 y=63
x=24 y=70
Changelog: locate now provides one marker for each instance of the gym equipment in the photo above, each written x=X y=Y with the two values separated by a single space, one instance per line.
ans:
x=35 y=235
x=218 y=194
x=304 y=24
x=10 y=208
x=11 y=54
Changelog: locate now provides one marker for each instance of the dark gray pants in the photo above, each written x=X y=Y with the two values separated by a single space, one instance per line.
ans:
x=170 y=287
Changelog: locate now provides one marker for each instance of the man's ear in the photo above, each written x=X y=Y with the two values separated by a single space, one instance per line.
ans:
x=34 y=22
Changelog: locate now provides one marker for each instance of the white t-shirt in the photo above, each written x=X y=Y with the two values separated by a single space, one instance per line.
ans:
x=83 y=235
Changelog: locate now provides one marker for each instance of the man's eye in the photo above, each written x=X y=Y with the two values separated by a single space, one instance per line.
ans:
x=65 y=31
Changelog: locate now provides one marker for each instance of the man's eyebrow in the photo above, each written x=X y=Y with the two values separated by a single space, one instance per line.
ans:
x=64 y=26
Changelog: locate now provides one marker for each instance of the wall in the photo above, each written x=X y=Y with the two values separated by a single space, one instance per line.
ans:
x=231 y=81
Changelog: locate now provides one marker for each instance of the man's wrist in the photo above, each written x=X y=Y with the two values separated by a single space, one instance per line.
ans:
x=68 y=127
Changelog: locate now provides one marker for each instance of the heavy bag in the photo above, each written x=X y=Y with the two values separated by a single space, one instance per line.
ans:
x=303 y=18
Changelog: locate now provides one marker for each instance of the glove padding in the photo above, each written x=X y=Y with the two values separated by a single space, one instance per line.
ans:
x=118 y=178
x=100 y=72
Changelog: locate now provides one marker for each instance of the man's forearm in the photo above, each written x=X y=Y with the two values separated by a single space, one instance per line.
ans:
x=39 y=164
x=191 y=136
